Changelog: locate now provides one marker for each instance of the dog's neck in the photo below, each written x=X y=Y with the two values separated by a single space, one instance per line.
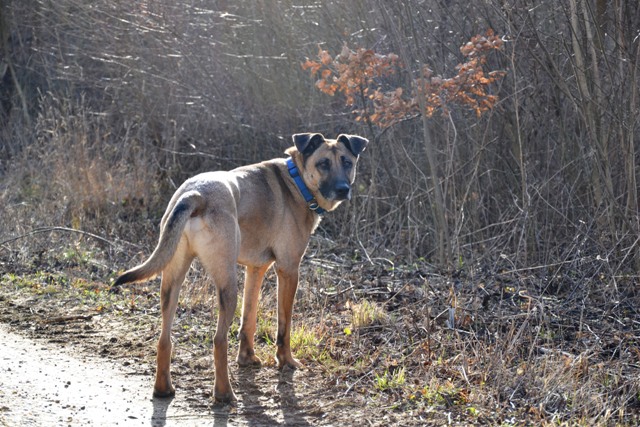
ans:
x=312 y=203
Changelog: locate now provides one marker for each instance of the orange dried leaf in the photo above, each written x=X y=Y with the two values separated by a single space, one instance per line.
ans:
x=325 y=58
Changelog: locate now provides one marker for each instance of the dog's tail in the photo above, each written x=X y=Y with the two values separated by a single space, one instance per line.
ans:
x=172 y=226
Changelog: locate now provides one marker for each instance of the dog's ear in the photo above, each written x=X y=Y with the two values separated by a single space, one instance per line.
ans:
x=307 y=143
x=355 y=144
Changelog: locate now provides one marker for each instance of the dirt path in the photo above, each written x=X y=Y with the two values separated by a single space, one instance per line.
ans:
x=44 y=384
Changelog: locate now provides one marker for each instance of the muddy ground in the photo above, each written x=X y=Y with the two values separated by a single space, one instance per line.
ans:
x=383 y=343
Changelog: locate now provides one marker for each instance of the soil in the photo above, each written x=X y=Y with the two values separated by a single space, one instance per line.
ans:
x=80 y=369
x=53 y=384
x=46 y=383
x=80 y=354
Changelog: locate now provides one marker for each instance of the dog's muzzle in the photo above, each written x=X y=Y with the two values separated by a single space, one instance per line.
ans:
x=342 y=191
x=338 y=191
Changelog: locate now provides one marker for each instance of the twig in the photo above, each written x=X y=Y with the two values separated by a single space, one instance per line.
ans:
x=365 y=252
x=67 y=319
x=357 y=381
x=50 y=229
x=545 y=350
x=333 y=294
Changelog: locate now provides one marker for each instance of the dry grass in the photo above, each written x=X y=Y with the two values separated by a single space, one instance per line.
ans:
x=127 y=108
x=517 y=357
x=533 y=316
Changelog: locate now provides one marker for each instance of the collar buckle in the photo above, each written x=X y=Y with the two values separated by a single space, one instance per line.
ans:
x=313 y=205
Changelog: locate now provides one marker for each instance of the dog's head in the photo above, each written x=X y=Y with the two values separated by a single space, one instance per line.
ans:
x=327 y=166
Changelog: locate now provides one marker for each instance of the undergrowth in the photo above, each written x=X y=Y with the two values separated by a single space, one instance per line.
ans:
x=516 y=356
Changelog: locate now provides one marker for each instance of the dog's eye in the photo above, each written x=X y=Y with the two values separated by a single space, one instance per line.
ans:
x=324 y=165
x=348 y=164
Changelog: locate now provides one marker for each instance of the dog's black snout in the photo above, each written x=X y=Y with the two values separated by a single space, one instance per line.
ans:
x=342 y=190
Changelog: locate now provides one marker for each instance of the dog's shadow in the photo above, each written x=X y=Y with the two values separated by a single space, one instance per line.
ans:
x=261 y=406
x=257 y=406
x=290 y=403
x=160 y=407
x=221 y=413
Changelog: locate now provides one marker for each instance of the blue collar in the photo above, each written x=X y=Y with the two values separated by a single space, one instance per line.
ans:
x=295 y=174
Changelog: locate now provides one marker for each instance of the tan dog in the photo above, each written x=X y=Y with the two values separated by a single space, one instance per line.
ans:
x=255 y=215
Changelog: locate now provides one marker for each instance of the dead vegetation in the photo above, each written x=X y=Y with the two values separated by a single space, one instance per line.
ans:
x=486 y=271
x=394 y=343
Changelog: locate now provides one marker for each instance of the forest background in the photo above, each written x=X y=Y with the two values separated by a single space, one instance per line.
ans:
x=107 y=106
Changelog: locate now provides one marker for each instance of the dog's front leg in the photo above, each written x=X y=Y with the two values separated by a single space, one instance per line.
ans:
x=252 y=284
x=287 y=286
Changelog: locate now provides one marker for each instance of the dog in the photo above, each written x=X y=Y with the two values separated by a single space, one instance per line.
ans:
x=257 y=216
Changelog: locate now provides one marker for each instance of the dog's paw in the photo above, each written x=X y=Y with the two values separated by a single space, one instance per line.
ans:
x=164 y=394
x=249 y=361
x=228 y=398
x=289 y=362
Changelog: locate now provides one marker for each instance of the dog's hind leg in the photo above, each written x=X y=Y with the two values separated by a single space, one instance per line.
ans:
x=252 y=284
x=172 y=278
x=221 y=266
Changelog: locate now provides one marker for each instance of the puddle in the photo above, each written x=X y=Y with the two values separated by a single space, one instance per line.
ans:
x=44 y=384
